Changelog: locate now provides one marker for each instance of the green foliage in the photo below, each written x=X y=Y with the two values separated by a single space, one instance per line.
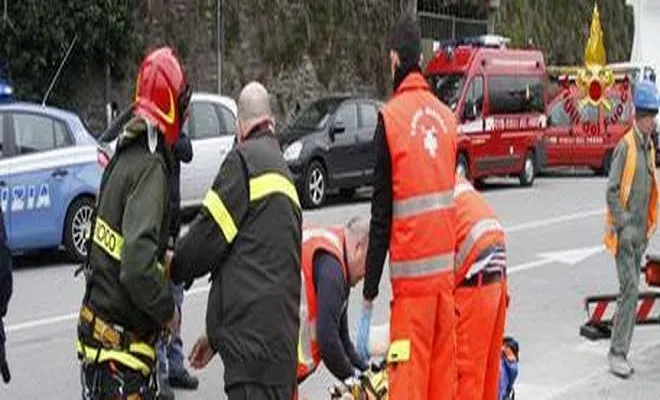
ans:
x=561 y=27
x=43 y=31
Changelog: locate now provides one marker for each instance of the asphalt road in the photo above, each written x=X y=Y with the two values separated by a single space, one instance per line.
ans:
x=554 y=233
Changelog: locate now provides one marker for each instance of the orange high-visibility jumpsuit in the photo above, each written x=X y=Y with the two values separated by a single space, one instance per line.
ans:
x=314 y=240
x=480 y=297
x=421 y=138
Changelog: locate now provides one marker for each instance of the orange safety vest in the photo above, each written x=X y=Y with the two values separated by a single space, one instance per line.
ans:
x=332 y=241
x=421 y=137
x=477 y=227
x=611 y=240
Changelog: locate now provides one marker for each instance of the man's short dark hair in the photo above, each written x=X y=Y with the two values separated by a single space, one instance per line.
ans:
x=406 y=38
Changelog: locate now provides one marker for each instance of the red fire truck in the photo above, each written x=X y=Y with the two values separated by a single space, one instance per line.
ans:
x=499 y=96
x=582 y=134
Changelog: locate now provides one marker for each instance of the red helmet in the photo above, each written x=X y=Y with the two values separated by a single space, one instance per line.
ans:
x=161 y=93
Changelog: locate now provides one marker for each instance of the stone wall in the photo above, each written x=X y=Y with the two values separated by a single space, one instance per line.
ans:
x=303 y=49
x=277 y=42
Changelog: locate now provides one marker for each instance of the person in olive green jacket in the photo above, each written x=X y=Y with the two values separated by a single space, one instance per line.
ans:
x=128 y=300
x=630 y=193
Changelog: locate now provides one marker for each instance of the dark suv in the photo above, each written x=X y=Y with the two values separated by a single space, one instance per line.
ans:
x=329 y=147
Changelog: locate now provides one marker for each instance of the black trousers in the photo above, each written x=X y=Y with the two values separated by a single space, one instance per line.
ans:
x=255 y=391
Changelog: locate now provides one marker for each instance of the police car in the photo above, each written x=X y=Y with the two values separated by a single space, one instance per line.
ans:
x=50 y=172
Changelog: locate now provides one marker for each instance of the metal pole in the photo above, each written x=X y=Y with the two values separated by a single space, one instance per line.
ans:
x=220 y=40
x=57 y=74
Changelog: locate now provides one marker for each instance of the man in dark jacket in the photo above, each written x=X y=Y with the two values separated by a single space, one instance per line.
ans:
x=128 y=300
x=248 y=236
x=5 y=295
x=172 y=371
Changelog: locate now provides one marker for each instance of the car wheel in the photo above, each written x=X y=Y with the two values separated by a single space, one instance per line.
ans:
x=607 y=163
x=77 y=224
x=462 y=166
x=528 y=173
x=316 y=185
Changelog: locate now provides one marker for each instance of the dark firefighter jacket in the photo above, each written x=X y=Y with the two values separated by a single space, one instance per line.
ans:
x=128 y=286
x=248 y=236
x=6 y=285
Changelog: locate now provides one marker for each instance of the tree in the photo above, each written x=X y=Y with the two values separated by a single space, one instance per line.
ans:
x=35 y=48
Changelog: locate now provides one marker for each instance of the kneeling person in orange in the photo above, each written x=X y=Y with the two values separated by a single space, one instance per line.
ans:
x=412 y=217
x=481 y=294
x=332 y=263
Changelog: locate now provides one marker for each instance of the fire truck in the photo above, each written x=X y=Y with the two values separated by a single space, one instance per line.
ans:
x=499 y=96
x=582 y=134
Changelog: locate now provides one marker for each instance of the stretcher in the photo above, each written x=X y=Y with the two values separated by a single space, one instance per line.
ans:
x=373 y=384
x=600 y=309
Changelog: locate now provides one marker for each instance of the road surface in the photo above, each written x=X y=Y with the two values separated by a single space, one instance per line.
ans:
x=554 y=233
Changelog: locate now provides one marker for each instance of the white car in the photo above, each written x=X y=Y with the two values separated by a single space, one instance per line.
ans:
x=212 y=130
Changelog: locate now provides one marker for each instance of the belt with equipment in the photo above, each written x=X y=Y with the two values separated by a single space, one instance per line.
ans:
x=100 y=341
x=483 y=278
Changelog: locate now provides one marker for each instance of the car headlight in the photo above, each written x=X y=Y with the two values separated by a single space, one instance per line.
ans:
x=292 y=151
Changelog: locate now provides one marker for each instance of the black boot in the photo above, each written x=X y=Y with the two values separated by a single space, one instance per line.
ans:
x=183 y=380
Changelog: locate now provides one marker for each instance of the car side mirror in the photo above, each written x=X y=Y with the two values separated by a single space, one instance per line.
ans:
x=470 y=112
x=338 y=126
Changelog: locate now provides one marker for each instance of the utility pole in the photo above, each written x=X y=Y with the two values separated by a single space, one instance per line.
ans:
x=221 y=40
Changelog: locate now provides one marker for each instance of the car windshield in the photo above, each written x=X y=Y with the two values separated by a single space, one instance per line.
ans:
x=316 y=116
x=84 y=135
x=447 y=87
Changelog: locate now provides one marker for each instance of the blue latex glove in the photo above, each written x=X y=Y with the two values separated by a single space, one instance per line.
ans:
x=363 y=327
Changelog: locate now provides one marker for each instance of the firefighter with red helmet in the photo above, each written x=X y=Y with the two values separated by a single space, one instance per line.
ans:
x=128 y=301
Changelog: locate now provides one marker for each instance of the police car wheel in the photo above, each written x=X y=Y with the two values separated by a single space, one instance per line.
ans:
x=76 y=226
x=315 y=187
x=528 y=173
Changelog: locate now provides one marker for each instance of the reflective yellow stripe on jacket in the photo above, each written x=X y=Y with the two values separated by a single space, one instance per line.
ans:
x=107 y=239
x=264 y=185
x=272 y=183
x=110 y=240
x=125 y=358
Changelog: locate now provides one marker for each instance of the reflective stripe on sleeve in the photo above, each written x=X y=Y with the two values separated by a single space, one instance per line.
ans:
x=106 y=238
x=272 y=183
x=479 y=229
x=221 y=215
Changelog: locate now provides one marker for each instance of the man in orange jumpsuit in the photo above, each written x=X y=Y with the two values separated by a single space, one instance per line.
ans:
x=332 y=263
x=481 y=294
x=413 y=216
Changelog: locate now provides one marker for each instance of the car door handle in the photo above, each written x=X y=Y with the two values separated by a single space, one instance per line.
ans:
x=60 y=173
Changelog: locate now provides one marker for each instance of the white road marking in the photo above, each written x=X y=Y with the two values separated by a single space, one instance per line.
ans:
x=202 y=289
x=41 y=322
x=527 y=266
x=568 y=257
x=552 y=221
x=71 y=317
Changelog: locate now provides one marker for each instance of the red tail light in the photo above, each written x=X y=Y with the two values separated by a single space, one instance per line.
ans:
x=102 y=158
